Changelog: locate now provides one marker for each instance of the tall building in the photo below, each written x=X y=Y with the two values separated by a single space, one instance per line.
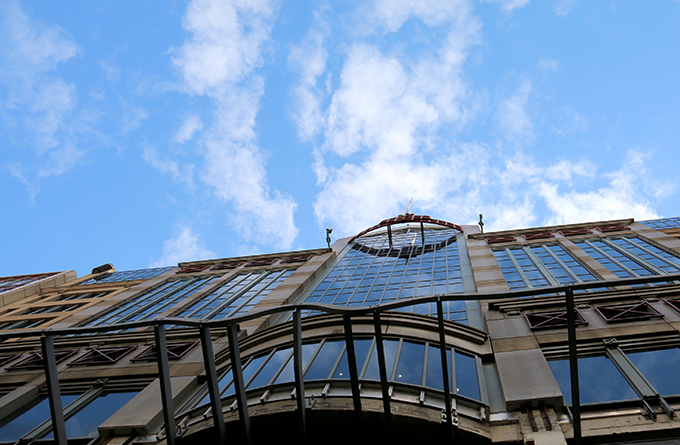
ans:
x=414 y=329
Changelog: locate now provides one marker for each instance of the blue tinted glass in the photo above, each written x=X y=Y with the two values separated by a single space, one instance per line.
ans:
x=86 y=421
x=410 y=368
x=655 y=366
x=270 y=368
x=361 y=351
x=466 y=376
x=373 y=370
x=29 y=419
x=599 y=380
x=324 y=361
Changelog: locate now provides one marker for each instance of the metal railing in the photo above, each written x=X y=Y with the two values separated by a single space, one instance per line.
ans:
x=204 y=327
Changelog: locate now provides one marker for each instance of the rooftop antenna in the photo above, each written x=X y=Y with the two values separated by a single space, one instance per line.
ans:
x=481 y=223
x=407 y=207
x=328 y=237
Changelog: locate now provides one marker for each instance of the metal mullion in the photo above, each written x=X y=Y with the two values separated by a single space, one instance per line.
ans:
x=518 y=268
x=649 y=252
x=540 y=266
x=362 y=277
x=160 y=296
x=334 y=368
x=69 y=411
x=217 y=309
x=391 y=274
x=573 y=365
x=641 y=386
x=232 y=284
x=246 y=289
x=314 y=355
x=259 y=369
x=423 y=380
x=562 y=263
x=397 y=356
x=612 y=259
x=377 y=274
x=641 y=261
x=282 y=367
x=445 y=368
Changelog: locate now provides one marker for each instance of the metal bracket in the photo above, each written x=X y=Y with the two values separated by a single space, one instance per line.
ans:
x=454 y=417
x=530 y=414
x=667 y=408
x=309 y=402
x=649 y=412
x=546 y=418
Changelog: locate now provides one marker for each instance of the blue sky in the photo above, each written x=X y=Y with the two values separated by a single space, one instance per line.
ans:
x=147 y=133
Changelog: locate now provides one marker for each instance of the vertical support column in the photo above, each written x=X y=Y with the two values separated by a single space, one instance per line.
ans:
x=299 y=377
x=422 y=233
x=389 y=235
x=52 y=377
x=353 y=374
x=445 y=368
x=384 y=383
x=239 y=386
x=166 y=389
x=213 y=383
x=573 y=366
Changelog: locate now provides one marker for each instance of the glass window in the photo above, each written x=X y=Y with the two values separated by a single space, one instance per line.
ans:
x=599 y=380
x=655 y=366
x=127 y=275
x=540 y=266
x=662 y=223
x=27 y=418
x=410 y=369
x=376 y=269
x=238 y=296
x=629 y=257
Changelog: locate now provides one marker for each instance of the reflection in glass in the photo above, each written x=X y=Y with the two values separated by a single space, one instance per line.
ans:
x=655 y=366
x=14 y=429
x=599 y=380
x=466 y=376
x=410 y=369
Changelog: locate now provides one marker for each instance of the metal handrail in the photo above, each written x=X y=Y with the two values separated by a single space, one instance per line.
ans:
x=47 y=336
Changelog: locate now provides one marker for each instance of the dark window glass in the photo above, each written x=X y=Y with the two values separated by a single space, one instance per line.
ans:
x=656 y=367
x=434 y=368
x=27 y=420
x=599 y=380
x=269 y=369
x=324 y=361
x=410 y=369
x=361 y=351
x=373 y=371
x=466 y=376
x=85 y=422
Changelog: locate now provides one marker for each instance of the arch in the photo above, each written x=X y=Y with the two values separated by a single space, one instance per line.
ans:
x=408 y=218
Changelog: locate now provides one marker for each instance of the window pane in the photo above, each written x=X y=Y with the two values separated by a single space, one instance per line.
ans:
x=361 y=351
x=324 y=361
x=86 y=421
x=373 y=370
x=410 y=369
x=466 y=376
x=29 y=419
x=655 y=366
x=599 y=380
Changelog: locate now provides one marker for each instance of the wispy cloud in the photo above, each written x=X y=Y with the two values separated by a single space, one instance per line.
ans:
x=183 y=173
x=35 y=101
x=185 y=246
x=221 y=60
x=512 y=114
x=191 y=125
x=563 y=7
x=549 y=65
x=507 y=6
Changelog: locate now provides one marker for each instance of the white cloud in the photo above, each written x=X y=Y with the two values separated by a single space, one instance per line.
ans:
x=133 y=116
x=184 y=173
x=549 y=65
x=36 y=104
x=507 y=6
x=186 y=246
x=221 y=60
x=563 y=7
x=512 y=114
x=191 y=125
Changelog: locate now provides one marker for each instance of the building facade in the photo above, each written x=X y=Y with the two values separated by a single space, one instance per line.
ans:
x=414 y=329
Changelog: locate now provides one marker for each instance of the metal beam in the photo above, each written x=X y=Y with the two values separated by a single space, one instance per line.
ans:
x=353 y=374
x=299 y=377
x=445 y=368
x=573 y=366
x=239 y=386
x=382 y=366
x=166 y=388
x=52 y=377
x=213 y=384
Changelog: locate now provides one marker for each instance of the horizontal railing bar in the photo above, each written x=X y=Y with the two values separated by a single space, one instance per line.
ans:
x=340 y=310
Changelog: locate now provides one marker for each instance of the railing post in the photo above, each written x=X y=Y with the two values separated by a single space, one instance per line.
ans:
x=52 y=377
x=445 y=368
x=573 y=366
x=299 y=377
x=166 y=388
x=213 y=383
x=239 y=385
x=384 y=383
x=353 y=374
